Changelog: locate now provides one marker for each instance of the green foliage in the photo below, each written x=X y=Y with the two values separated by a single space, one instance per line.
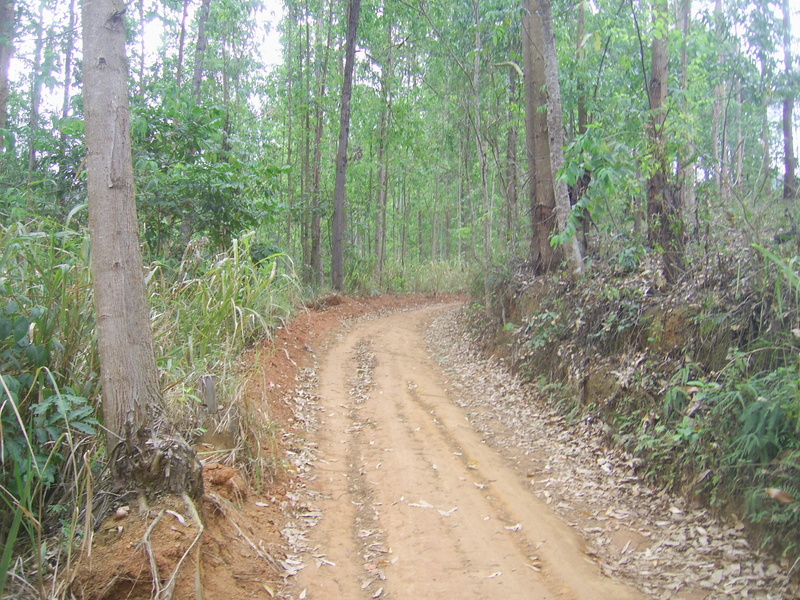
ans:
x=44 y=359
x=194 y=180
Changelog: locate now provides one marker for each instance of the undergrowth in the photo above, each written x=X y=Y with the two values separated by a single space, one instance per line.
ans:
x=702 y=382
x=432 y=277
x=204 y=314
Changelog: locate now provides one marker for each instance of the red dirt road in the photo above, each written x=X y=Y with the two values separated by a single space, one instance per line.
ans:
x=414 y=504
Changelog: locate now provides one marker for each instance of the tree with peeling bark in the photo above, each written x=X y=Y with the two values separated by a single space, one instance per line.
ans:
x=337 y=258
x=144 y=453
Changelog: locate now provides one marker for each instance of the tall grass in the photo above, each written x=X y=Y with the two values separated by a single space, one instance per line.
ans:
x=432 y=277
x=204 y=315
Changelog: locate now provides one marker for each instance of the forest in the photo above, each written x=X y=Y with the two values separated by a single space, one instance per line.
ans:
x=179 y=178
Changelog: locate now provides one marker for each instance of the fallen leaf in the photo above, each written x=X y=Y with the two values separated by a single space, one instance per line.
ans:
x=303 y=595
x=493 y=575
x=779 y=495
x=378 y=593
x=473 y=464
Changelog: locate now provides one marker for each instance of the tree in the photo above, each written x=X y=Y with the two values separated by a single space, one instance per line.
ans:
x=337 y=258
x=542 y=194
x=141 y=452
x=663 y=200
x=555 y=123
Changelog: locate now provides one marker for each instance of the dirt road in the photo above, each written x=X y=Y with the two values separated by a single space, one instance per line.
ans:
x=414 y=504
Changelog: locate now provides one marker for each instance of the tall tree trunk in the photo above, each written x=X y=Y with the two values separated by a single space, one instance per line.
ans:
x=582 y=185
x=140 y=4
x=383 y=154
x=305 y=167
x=289 y=139
x=663 y=201
x=182 y=44
x=7 y=23
x=36 y=94
x=512 y=175
x=542 y=193
x=131 y=394
x=718 y=123
x=789 y=163
x=316 y=193
x=68 y=52
x=555 y=124
x=200 y=49
x=480 y=146
x=337 y=258
x=686 y=171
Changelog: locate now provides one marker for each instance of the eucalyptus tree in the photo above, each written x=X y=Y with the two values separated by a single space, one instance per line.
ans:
x=140 y=454
x=337 y=252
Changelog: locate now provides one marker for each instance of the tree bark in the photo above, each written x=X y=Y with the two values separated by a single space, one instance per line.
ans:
x=687 y=171
x=316 y=199
x=542 y=194
x=555 y=123
x=200 y=49
x=182 y=43
x=512 y=177
x=663 y=200
x=131 y=394
x=337 y=258
x=383 y=156
x=480 y=148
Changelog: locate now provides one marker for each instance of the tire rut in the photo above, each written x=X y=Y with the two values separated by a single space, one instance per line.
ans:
x=414 y=504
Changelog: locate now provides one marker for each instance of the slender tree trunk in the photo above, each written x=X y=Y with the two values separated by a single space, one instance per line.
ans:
x=68 y=52
x=582 y=185
x=306 y=178
x=140 y=5
x=200 y=49
x=718 y=129
x=686 y=172
x=480 y=145
x=337 y=258
x=289 y=140
x=555 y=123
x=7 y=23
x=542 y=193
x=317 y=275
x=131 y=392
x=36 y=95
x=663 y=201
x=512 y=177
x=383 y=155
x=789 y=162
x=182 y=43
